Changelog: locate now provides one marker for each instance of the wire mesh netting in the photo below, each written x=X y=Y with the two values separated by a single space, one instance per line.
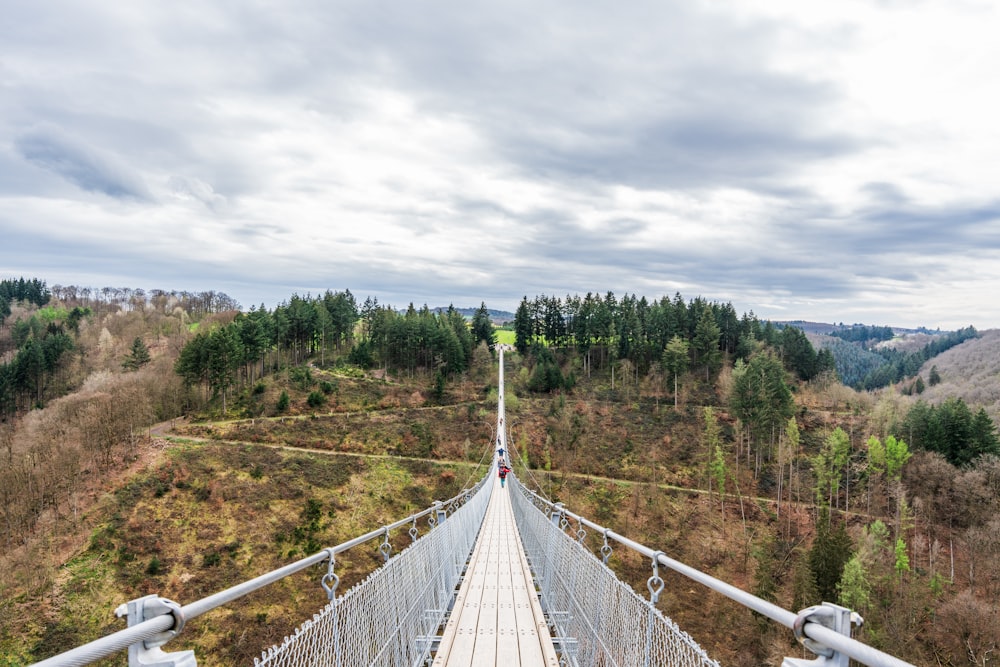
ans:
x=392 y=616
x=597 y=618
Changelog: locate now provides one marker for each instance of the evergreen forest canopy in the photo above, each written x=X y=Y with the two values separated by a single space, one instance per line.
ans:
x=859 y=333
x=12 y=291
x=604 y=330
x=862 y=367
x=671 y=336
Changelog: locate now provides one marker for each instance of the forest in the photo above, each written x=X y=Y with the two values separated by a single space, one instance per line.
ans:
x=806 y=489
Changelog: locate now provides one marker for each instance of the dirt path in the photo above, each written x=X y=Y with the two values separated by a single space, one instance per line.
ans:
x=163 y=431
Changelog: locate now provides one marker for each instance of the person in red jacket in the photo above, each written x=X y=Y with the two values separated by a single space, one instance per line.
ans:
x=503 y=470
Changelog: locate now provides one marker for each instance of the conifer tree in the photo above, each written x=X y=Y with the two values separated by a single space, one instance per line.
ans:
x=830 y=552
x=675 y=360
x=482 y=328
x=137 y=357
x=706 y=343
x=523 y=329
x=854 y=588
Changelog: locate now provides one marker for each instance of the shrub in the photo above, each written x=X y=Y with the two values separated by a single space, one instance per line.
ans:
x=301 y=377
x=362 y=355
x=283 y=401
x=316 y=399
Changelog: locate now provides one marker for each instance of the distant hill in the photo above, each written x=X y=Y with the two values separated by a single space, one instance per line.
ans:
x=866 y=359
x=498 y=317
x=970 y=371
x=828 y=328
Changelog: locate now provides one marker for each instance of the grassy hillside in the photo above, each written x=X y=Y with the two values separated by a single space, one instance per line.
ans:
x=112 y=514
x=208 y=516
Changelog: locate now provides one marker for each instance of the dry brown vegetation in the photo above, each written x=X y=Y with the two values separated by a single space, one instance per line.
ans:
x=968 y=371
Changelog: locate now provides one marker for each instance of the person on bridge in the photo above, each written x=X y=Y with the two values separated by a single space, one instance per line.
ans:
x=500 y=452
x=503 y=470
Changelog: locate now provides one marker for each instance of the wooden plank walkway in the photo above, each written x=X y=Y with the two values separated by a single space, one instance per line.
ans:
x=497 y=618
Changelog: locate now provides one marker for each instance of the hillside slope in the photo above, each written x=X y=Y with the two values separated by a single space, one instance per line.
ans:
x=970 y=371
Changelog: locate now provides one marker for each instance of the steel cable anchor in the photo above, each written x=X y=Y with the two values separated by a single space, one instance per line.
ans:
x=655 y=583
x=385 y=548
x=330 y=580
x=606 y=548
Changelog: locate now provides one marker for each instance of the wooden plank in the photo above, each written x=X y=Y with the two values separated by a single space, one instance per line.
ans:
x=497 y=619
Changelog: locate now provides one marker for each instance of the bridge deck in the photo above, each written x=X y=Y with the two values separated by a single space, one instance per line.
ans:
x=497 y=618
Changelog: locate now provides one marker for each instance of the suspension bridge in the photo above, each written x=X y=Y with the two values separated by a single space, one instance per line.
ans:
x=502 y=577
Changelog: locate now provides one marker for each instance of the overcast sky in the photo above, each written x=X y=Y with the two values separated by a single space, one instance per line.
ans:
x=832 y=161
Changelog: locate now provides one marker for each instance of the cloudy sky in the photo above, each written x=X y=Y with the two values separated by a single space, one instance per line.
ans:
x=833 y=161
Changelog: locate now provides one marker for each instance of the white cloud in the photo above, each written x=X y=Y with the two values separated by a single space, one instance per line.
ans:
x=831 y=161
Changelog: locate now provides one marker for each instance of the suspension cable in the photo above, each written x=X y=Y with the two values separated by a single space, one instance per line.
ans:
x=487 y=453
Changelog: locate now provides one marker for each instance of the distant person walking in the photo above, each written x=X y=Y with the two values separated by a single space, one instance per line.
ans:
x=503 y=473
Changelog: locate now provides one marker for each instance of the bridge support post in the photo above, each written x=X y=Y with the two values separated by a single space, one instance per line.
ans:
x=440 y=513
x=557 y=516
x=832 y=616
x=147 y=653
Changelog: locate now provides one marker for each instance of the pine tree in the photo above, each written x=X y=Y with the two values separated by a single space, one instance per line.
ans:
x=711 y=435
x=896 y=456
x=482 y=328
x=761 y=399
x=804 y=591
x=137 y=357
x=523 y=329
x=675 y=360
x=830 y=552
x=788 y=447
x=854 y=588
x=902 y=563
x=706 y=343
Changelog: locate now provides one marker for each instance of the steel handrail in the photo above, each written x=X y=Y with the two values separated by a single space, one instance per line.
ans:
x=857 y=650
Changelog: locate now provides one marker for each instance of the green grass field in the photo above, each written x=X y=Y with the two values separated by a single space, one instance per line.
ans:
x=505 y=336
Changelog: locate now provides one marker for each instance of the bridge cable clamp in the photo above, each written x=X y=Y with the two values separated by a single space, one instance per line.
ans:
x=559 y=516
x=826 y=615
x=606 y=548
x=385 y=548
x=330 y=580
x=655 y=583
x=432 y=519
x=150 y=607
x=413 y=530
